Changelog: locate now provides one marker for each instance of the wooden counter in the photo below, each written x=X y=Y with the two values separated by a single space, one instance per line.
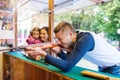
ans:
x=17 y=67
x=1 y=62
x=1 y=66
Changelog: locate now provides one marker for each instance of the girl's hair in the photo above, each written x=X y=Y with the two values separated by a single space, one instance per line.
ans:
x=34 y=29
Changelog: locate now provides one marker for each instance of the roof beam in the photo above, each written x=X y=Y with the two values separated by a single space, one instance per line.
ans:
x=41 y=2
x=97 y=1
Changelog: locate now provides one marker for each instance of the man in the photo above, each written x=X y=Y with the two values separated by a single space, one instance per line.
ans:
x=81 y=44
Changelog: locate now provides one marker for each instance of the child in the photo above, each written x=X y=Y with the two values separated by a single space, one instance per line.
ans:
x=34 y=36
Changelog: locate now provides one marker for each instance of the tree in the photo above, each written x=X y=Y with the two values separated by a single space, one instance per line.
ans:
x=113 y=24
x=76 y=19
x=106 y=19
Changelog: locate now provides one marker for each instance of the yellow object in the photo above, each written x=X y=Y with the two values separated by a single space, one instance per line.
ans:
x=38 y=57
x=97 y=75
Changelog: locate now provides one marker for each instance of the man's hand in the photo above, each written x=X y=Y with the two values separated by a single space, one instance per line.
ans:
x=56 y=49
x=35 y=51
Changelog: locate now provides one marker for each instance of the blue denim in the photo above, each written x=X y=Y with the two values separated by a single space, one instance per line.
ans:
x=115 y=70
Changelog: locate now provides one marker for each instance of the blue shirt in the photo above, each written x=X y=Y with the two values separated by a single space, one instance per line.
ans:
x=84 y=43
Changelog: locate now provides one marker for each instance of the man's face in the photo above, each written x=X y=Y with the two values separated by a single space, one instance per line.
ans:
x=64 y=39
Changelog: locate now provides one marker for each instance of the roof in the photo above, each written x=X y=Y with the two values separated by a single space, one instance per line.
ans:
x=60 y=6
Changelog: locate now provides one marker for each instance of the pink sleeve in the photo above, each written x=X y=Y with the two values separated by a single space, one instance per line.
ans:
x=30 y=40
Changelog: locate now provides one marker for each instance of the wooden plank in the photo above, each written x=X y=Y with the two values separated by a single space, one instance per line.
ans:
x=51 y=19
x=1 y=64
x=18 y=69
x=15 y=27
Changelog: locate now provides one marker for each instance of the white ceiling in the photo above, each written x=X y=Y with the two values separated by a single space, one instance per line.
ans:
x=60 y=6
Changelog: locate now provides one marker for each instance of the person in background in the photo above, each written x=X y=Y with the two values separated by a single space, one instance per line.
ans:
x=86 y=45
x=44 y=34
x=34 y=36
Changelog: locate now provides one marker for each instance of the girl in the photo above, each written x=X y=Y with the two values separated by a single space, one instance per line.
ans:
x=34 y=36
x=44 y=34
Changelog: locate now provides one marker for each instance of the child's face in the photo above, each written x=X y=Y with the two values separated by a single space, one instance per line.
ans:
x=35 y=34
x=43 y=35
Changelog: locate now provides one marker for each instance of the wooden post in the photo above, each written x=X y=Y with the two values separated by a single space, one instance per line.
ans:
x=51 y=20
x=15 y=27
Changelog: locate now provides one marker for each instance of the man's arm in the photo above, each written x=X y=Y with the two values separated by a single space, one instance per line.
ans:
x=62 y=55
x=83 y=44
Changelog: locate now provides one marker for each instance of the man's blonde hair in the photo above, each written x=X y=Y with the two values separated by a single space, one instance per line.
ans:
x=64 y=26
